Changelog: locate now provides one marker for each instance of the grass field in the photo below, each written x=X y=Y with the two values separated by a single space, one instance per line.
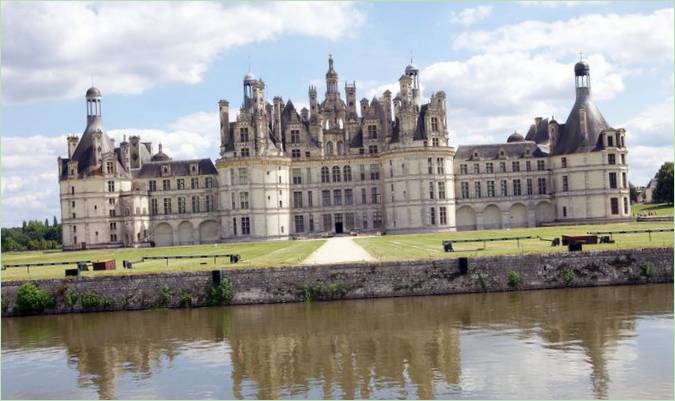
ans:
x=661 y=209
x=418 y=246
x=253 y=254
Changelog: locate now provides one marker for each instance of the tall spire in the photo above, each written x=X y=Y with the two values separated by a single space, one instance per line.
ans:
x=331 y=77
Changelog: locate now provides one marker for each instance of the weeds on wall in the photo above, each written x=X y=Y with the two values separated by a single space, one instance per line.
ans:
x=221 y=293
x=32 y=299
x=514 y=279
x=324 y=291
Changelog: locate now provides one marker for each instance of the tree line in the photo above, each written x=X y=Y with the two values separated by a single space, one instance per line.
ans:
x=32 y=235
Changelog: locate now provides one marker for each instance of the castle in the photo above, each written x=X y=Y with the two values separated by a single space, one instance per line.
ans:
x=341 y=166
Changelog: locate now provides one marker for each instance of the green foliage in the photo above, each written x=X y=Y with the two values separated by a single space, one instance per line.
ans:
x=185 y=298
x=568 y=276
x=220 y=293
x=30 y=298
x=32 y=235
x=647 y=269
x=324 y=291
x=71 y=297
x=633 y=193
x=481 y=281
x=514 y=279
x=165 y=295
x=90 y=300
x=664 y=184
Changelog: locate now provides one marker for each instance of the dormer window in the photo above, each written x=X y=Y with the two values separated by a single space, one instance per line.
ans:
x=166 y=170
x=109 y=167
x=193 y=169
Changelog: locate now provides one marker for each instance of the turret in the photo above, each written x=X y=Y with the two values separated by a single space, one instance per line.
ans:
x=405 y=85
x=350 y=94
x=313 y=103
x=331 y=79
x=224 y=111
x=135 y=151
x=276 y=116
x=364 y=106
x=413 y=72
x=72 y=144
x=582 y=79
x=93 y=97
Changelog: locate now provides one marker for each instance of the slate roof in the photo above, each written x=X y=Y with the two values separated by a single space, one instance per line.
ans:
x=420 y=130
x=571 y=138
x=491 y=151
x=178 y=168
x=85 y=153
x=538 y=132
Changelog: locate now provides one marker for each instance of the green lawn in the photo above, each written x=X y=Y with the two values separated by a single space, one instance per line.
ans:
x=418 y=246
x=253 y=254
x=661 y=209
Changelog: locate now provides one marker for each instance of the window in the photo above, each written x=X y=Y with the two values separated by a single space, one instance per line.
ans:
x=299 y=224
x=372 y=132
x=311 y=223
x=540 y=165
x=336 y=174
x=349 y=197
x=377 y=219
x=347 y=173
x=443 y=211
x=541 y=183
x=528 y=165
x=180 y=183
x=624 y=181
x=167 y=205
x=365 y=220
x=337 y=197
x=564 y=211
x=362 y=172
x=529 y=186
x=432 y=215
x=243 y=176
x=245 y=152
x=111 y=186
x=441 y=190
x=502 y=167
x=243 y=200
x=372 y=149
x=375 y=196
x=625 y=205
x=152 y=185
x=614 y=203
x=364 y=198
x=297 y=199
x=325 y=198
x=295 y=136
x=208 y=182
x=623 y=158
x=113 y=226
x=489 y=168
x=515 y=166
x=431 y=190
x=476 y=187
x=166 y=185
x=430 y=165
x=195 y=204
x=327 y=222
x=153 y=207
x=504 y=189
x=310 y=201
x=194 y=183
x=612 y=180
x=243 y=134
x=611 y=158
x=516 y=188
x=308 y=154
x=440 y=165
x=462 y=169
x=434 y=142
x=308 y=176
x=325 y=174
x=349 y=220
x=563 y=162
x=490 y=189
x=245 y=226
x=464 y=186
x=374 y=172
x=181 y=204
x=297 y=176
x=295 y=153
x=209 y=203
x=113 y=237
x=434 y=124
x=476 y=168
x=109 y=167
x=610 y=142
x=565 y=184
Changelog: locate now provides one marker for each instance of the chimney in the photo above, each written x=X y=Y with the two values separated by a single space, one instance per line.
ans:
x=72 y=144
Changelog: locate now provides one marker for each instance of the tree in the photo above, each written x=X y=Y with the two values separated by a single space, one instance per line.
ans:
x=664 y=184
x=55 y=223
x=46 y=222
x=633 y=193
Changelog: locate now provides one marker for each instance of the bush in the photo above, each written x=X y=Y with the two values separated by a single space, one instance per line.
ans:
x=71 y=297
x=324 y=291
x=647 y=269
x=90 y=300
x=165 y=295
x=220 y=293
x=185 y=298
x=514 y=279
x=30 y=298
x=568 y=277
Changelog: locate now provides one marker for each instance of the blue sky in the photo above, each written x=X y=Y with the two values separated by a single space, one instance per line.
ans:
x=162 y=68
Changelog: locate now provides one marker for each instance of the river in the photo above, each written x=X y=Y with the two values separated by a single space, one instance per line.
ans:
x=608 y=342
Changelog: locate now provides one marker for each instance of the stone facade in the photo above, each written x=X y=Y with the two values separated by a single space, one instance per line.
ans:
x=363 y=280
x=339 y=166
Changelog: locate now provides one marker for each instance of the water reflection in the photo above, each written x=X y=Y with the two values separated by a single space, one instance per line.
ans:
x=424 y=347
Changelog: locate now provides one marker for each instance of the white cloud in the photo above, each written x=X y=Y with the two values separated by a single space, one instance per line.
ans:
x=628 y=38
x=53 y=50
x=561 y=3
x=470 y=16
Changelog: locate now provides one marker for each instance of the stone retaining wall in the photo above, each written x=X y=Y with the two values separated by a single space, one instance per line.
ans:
x=362 y=280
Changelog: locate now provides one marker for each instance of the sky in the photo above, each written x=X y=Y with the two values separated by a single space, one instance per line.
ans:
x=162 y=67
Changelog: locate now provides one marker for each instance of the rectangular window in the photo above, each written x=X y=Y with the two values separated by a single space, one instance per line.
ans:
x=299 y=224
x=113 y=226
x=504 y=189
x=325 y=198
x=297 y=176
x=364 y=199
x=624 y=180
x=209 y=203
x=612 y=180
x=233 y=197
x=441 y=190
x=180 y=183
x=349 y=221
x=610 y=142
x=245 y=226
x=325 y=174
x=375 y=196
x=434 y=124
x=181 y=204
x=377 y=219
x=443 y=211
x=464 y=186
x=153 y=207
x=311 y=223
x=295 y=153
x=623 y=159
x=310 y=200
x=564 y=211
x=440 y=165
x=349 y=197
x=615 y=205
x=372 y=132
x=195 y=204
x=432 y=216
x=476 y=168
x=374 y=171
x=243 y=176
x=365 y=220
x=528 y=165
x=336 y=174
x=166 y=185
x=308 y=175
x=347 y=173
x=529 y=186
x=611 y=158
x=208 y=181
x=337 y=197
x=113 y=237
x=327 y=222
x=152 y=186
x=111 y=186
x=502 y=167
x=515 y=166
x=476 y=187
x=243 y=200
x=295 y=136
x=362 y=172
x=462 y=169
x=372 y=149
x=167 y=205
x=489 y=168
x=540 y=165
x=490 y=189
x=245 y=152
x=565 y=184
x=625 y=205
x=430 y=165
x=563 y=162
x=516 y=188
x=541 y=183
x=431 y=190
x=243 y=134
x=109 y=167
x=297 y=199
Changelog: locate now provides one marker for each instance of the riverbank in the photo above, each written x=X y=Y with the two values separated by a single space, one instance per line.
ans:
x=348 y=281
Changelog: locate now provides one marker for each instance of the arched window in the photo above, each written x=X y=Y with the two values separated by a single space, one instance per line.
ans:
x=347 y=173
x=329 y=148
x=325 y=174
x=340 y=148
x=340 y=123
x=336 y=174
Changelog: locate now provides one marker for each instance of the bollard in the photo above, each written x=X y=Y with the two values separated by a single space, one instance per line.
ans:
x=81 y=266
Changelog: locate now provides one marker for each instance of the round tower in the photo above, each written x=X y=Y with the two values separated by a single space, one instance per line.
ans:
x=93 y=97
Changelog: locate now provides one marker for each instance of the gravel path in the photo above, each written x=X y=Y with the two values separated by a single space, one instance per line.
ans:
x=339 y=250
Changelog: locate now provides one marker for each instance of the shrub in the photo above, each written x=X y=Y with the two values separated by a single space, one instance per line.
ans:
x=220 y=293
x=324 y=291
x=514 y=279
x=30 y=298
x=165 y=295
x=90 y=300
x=647 y=269
x=185 y=298
x=71 y=297
x=568 y=276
